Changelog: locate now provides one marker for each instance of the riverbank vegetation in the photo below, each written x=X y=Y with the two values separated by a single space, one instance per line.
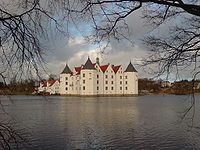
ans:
x=145 y=87
x=148 y=86
x=25 y=87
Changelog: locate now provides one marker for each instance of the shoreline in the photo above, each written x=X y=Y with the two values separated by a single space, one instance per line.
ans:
x=135 y=95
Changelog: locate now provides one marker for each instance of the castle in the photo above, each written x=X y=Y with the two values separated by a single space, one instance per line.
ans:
x=99 y=80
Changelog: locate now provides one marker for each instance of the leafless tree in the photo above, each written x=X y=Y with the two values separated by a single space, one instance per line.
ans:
x=24 y=26
x=171 y=52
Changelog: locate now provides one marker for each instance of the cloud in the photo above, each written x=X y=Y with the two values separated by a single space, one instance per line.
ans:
x=76 y=41
x=75 y=51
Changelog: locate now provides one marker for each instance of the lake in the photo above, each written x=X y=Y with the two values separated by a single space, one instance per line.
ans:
x=104 y=123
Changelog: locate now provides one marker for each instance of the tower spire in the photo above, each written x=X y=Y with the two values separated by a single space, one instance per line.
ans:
x=66 y=70
x=88 y=64
x=130 y=68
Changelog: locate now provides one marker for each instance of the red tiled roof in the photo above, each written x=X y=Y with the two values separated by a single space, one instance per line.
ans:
x=51 y=82
x=116 y=68
x=104 y=67
x=44 y=83
x=78 y=69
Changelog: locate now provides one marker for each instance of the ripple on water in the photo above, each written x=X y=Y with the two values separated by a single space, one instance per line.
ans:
x=142 y=123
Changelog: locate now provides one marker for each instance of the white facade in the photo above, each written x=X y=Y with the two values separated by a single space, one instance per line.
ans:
x=94 y=79
x=51 y=87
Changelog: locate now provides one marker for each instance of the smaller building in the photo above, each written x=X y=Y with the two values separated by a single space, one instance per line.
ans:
x=50 y=87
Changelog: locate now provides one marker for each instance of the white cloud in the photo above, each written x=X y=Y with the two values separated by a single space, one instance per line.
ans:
x=76 y=41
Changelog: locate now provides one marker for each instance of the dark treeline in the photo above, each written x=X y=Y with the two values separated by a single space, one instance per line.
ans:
x=22 y=87
x=165 y=87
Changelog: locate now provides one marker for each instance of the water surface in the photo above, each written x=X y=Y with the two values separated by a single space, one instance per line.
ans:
x=105 y=123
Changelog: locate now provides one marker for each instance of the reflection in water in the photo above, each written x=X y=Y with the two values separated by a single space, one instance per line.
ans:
x=146 y=122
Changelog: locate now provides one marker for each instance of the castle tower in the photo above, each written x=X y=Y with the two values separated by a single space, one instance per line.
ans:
x=88 y=79
x=65 y=80
x=130 y=80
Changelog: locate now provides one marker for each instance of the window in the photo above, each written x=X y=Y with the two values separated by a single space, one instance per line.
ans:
x=66 y=78
x=97 y=76
x=112 y=76
x=83 y=74
x=112 y=88
x=106 y=88
x=120 y=88
x=90 y=75
x=120 y=77
x=106 y=76
x=83 y=81
x=97 y=88
x=125 y=77
x=126 y=82
x=66 y=88
x=120 y=82
x=66 y=83
x=126 y=88
x=111 y=82
x=97 y=81
x=106 y=82
x=83 y=87
x=111 y=71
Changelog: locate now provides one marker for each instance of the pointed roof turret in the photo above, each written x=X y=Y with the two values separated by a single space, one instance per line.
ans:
x=66 y=70
x=88 y=65
x=130 y=68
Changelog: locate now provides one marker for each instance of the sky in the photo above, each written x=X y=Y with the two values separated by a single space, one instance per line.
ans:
x=75 y=50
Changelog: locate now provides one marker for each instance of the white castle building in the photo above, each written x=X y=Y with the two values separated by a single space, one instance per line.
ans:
x=96 y=79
